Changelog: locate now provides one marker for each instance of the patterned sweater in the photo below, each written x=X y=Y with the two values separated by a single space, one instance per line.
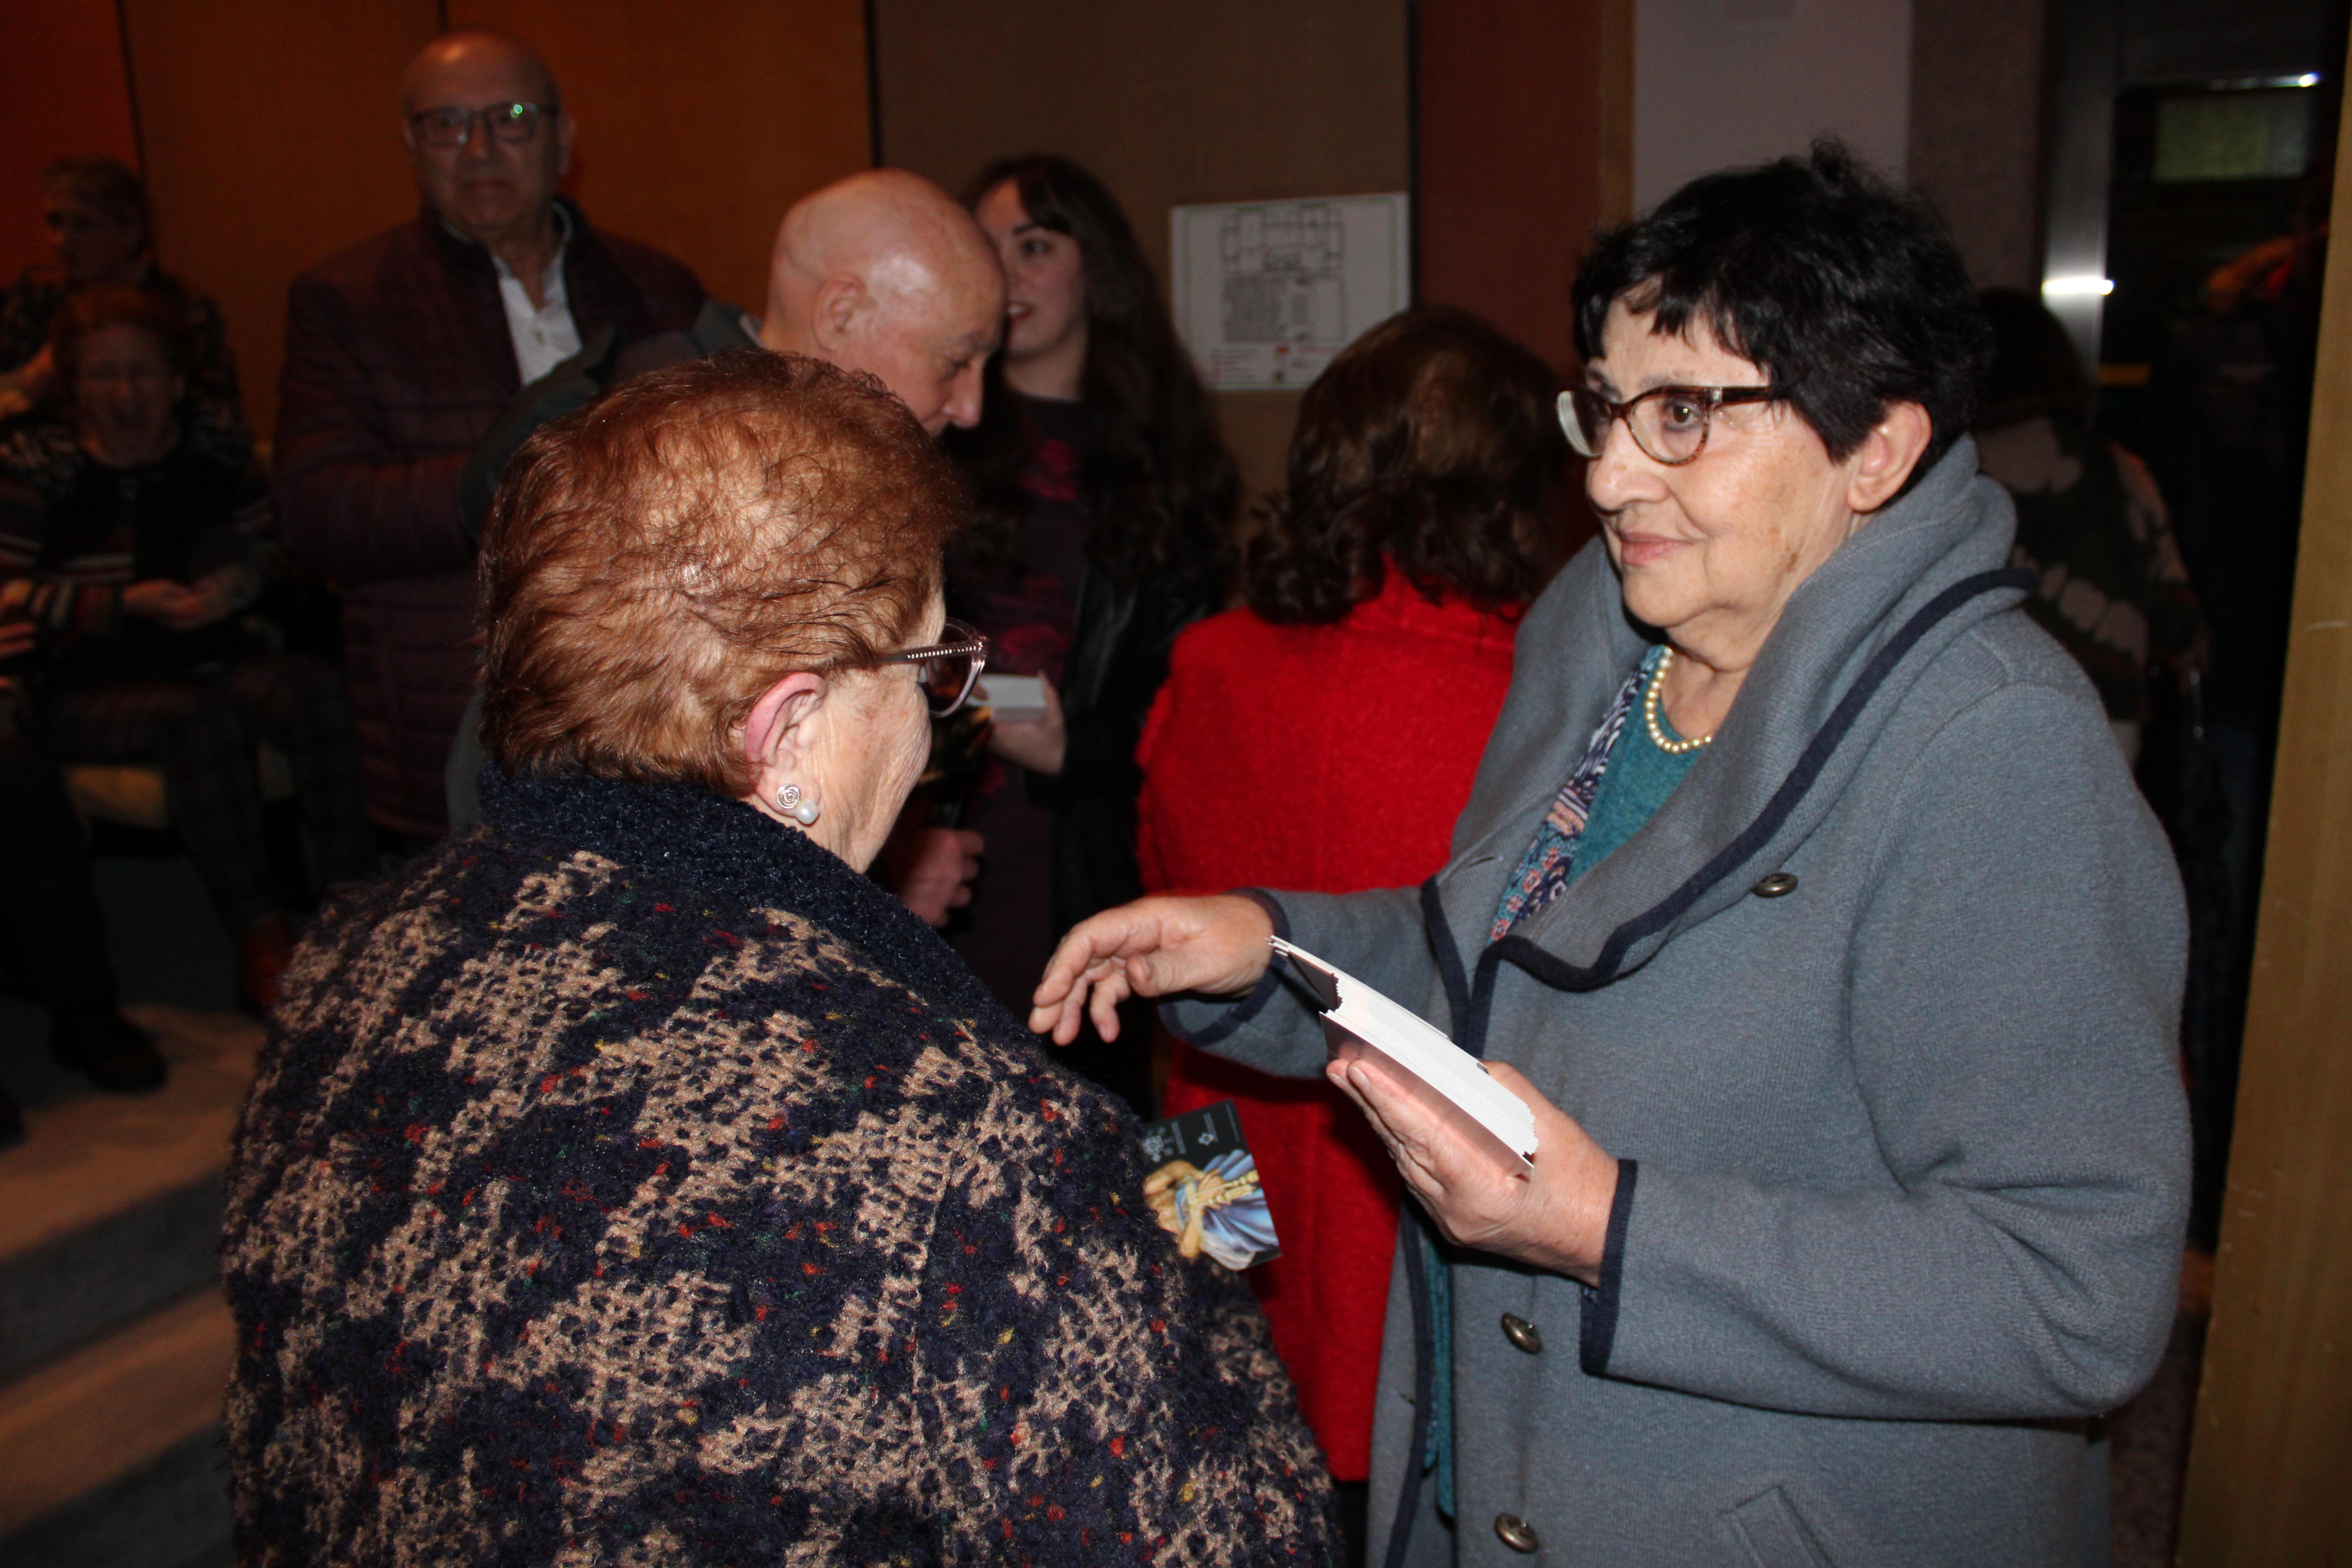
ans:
x=634 y=1182
x=65 y=561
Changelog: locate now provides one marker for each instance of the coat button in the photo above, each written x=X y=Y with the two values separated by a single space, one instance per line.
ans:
x=1516 y=1532
x=1522 y=1333
x=1775 y=884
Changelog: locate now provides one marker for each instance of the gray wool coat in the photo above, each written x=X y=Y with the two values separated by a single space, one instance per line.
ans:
x=1904 y=1157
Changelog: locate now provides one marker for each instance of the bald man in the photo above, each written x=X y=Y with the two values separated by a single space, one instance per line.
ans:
x=400 y=355
x=882 y=272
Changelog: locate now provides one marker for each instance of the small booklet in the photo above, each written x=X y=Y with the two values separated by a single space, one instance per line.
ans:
x=1357 y=1021
x=1204 y=1188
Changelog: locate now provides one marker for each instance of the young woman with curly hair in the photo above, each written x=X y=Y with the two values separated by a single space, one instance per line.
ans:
x=1104 y=499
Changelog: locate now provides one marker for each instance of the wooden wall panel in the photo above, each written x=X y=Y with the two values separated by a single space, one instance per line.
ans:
x=1206 y=101
x=272 y=132
x=700 y=124
x=61 y=94
x=1525 y=148
x=1975 y=129
x=1510 y=160
x=1719 y=85
x=2273 y=1433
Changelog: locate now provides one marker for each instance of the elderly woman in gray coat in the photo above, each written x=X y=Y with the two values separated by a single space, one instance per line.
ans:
x=1807 y=900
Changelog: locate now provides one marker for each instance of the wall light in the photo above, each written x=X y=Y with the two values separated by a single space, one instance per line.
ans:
x=2256 y=83
x=2075 y=288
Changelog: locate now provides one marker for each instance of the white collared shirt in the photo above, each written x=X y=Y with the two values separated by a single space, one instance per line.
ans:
x=544 y=335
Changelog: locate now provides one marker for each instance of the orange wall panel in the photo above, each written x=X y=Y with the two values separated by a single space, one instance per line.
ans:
x=272 y=131
x=1522 y=111
x=61 y=94
x=699 y=124
x=1511 y=121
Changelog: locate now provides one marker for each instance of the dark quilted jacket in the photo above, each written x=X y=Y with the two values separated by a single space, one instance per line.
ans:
x=635 y=1183
x=397 y=363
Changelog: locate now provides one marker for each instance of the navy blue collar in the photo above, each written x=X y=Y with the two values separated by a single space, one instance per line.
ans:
x=685 y=836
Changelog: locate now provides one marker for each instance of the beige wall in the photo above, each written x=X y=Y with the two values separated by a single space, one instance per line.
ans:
x=1209 y=100
x=1975 y=129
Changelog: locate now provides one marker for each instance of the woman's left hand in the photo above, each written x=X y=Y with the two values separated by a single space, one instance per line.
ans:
x=1036 y=743
x=1555 y=1217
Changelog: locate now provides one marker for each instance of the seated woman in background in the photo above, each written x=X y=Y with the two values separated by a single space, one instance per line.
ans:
x=1325 y=738
x=138 y=573
x=1104 y=498
x=2091 y=523
x=638 y=1153
x=100 y=230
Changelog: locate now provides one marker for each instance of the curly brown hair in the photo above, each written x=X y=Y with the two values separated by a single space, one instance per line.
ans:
x=658 y=559
x=1428 y=444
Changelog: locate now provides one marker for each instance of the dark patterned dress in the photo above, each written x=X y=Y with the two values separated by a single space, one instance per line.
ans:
x=1028 y=610
x=634 y=1182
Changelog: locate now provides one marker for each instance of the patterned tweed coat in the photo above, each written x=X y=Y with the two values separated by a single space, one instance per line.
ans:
x=634 y=1182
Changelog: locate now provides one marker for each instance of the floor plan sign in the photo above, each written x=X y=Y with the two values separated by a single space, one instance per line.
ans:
x=1266 y=292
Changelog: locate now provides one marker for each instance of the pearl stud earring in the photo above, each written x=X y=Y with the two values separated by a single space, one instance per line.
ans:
x=796 y=806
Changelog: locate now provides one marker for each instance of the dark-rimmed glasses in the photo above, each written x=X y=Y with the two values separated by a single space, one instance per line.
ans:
x=947 y=670
x=1668 y=423
x=453 y=126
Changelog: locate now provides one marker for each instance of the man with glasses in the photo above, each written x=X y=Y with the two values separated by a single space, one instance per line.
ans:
x=402 y=354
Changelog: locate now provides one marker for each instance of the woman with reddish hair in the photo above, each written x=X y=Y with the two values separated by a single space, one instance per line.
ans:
x=1388 y=580
x=635 y=1180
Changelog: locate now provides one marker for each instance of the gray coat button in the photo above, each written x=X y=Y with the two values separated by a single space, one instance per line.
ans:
x=1522 y=1333
x=1516 y=1532
x=1774 y=885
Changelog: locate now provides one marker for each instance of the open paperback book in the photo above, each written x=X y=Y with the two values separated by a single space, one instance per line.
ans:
x=1357 y=1021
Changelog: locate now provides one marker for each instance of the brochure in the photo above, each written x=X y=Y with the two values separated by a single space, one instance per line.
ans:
x=1357 y=1021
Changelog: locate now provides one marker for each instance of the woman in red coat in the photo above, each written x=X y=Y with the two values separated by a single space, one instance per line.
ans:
x=1325 y=737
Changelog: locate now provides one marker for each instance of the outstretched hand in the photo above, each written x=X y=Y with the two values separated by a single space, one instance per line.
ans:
x=1153 y=947
x=1554 y=1218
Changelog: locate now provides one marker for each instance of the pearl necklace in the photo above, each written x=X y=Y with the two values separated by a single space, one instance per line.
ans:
x=1650 y=712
